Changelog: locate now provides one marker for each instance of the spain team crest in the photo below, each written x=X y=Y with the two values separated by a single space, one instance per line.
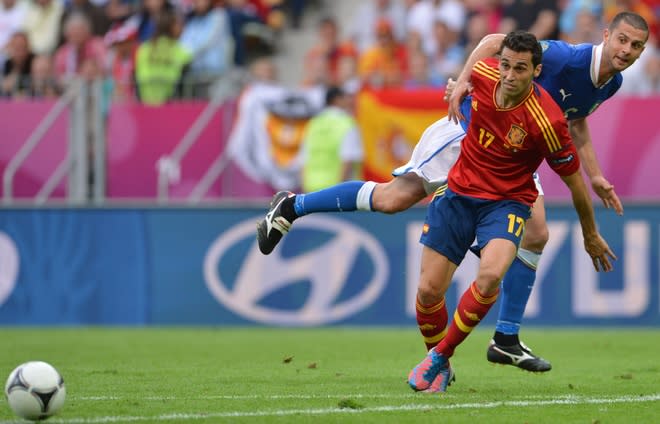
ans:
x=516 y=136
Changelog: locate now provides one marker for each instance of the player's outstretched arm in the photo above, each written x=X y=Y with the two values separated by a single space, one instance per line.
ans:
x=489 y=46
x=582 y=140
x=594 y=244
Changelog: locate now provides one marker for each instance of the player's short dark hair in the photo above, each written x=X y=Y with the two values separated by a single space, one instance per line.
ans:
x=523 y=41
x=632 y=19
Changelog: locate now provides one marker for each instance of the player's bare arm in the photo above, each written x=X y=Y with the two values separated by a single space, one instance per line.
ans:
x=489 y=46
x=594 y=244
x=582 y=140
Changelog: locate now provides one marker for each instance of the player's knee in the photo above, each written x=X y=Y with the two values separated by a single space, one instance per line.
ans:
x=488 y=281
x=427 y=295
x=535 y=239
x=398 y=195
x=391 y=200
x=391 y=204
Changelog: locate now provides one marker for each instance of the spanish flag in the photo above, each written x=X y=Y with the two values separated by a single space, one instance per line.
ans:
x=391 y=122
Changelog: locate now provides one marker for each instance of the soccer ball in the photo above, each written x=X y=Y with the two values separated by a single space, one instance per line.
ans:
x=35 y=390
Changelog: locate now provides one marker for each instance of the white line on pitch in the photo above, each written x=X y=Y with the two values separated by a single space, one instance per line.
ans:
x=386 y=408
x=410 y=395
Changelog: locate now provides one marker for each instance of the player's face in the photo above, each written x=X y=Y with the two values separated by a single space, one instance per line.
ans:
x=516 y=72
x=622 y=47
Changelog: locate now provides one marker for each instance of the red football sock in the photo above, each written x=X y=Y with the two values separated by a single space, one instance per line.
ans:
x=432 y=321
x=471 y=309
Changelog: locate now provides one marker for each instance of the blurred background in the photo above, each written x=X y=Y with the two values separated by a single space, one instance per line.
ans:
x=141 y=140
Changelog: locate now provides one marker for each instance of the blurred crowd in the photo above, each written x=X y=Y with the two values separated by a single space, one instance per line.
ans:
x=156 y=50
x=146 y=50
x=423 y=43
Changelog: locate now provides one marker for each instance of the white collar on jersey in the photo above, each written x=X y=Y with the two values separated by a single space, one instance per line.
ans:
x=596 y=56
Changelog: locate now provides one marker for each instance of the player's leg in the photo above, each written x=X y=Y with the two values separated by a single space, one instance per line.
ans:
x=396 y=195
x=435 y=277
x=506 y=348
x=428 y=167
x=446 y=236
x=499 y=231
x=399 y=194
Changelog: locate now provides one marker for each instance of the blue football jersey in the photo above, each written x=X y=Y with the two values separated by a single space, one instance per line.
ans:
x=569 y=74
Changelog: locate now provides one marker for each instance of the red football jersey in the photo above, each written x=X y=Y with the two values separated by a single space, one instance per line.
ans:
x=504 y=147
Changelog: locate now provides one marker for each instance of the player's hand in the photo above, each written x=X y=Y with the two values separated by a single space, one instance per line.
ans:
x=454 y=94
x=600 y=252
x=606 y=192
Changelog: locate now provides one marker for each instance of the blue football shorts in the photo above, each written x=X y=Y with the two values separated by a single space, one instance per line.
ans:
x=453 y=222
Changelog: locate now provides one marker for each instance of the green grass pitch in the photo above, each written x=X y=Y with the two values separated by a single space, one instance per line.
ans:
x=335 y=375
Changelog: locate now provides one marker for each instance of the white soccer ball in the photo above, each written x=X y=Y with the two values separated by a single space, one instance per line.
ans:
x=35 y=390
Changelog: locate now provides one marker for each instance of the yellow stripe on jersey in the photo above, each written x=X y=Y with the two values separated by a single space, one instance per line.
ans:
x=484 y=67
x=544 y=123
x=440 y=191
x=486 y=71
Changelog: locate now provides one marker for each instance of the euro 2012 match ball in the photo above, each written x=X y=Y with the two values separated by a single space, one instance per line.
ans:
x=35 y=390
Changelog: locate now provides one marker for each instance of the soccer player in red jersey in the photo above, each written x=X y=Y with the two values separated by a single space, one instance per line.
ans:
x=515 y=124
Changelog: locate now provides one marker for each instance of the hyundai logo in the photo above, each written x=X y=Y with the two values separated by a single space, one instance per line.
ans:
x=327 y=267
x=9 y=264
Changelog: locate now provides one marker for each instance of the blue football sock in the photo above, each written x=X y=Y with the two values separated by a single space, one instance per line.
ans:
x=516 y=289
x=338 y=198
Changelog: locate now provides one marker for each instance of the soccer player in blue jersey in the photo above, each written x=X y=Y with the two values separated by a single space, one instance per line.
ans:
x=579 y=78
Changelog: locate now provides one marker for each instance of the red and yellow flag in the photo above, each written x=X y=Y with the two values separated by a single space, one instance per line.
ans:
x=391 y=122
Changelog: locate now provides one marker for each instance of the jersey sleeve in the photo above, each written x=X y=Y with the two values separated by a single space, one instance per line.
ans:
x=560 y=152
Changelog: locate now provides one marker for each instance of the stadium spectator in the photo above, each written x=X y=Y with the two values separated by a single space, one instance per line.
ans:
x=418 y=72
x=120 y=10
x=414 y=42
x=332 y=149
x=262 y=70
x=385 y=63
x=295 y=9
x=569 y=16
x=274 y=15
x=540 y=17
x=122 y=45
x=16 y=70
x=43 y=25
x=476 y=28
x=488 y=12
x=423 y=14
x=80 y=46
x=369 y=13
x=316 y=72
x=328 y=49
x=587 y=29
x=99 y=21
x=12 y=17
x=43 y=83
x=250 y=33
x=161 y=61
x=347 y=74
x=447 y=58
x=146 y=17
x=207 y=35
